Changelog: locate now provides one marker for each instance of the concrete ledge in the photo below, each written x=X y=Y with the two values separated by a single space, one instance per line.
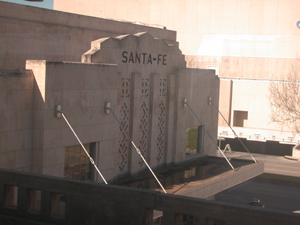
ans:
x=92 y=203
x=216 y=184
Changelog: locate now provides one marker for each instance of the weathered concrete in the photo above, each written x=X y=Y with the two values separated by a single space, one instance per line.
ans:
x=41 y=34
x=90 y=203
x=145 y=80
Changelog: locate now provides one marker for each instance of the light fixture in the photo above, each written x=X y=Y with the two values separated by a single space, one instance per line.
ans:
x=107 y=107
x=57 y=111
x=184 y=102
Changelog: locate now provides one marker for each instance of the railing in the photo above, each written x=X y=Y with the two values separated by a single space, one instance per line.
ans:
x=36 y=199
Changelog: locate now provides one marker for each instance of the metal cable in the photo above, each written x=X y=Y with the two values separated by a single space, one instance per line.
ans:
x=90 y=158
x=233 y=131
x=137 y=150
x=209 y=134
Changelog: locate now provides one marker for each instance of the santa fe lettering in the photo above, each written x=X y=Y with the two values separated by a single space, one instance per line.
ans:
x=144 y=58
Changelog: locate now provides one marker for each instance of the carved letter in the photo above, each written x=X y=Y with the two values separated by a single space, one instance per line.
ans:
x=164 y=59
x=124 y=55
x=131 y=58
x=137 y=57
x=158 y=58
x=149 y=59
x=144 y=54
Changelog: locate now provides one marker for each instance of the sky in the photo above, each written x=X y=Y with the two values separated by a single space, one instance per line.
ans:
x=47 y=4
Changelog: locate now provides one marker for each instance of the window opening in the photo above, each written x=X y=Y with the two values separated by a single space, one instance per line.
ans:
x=157 y=217
x=10 y=197
x=194 y=140
x=77 y=164
x=33 y=201
x=240 y=118
x=58 y=205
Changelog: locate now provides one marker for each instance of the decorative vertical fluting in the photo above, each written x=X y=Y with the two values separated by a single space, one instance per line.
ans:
x=144 y=120
x=161 y=119
x=124 y=120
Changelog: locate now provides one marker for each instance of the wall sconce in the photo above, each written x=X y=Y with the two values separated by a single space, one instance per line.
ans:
x=209 y=101
x=57 y=111
x=107 y=107
x=184 y=102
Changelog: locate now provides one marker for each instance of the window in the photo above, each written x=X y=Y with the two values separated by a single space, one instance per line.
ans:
x=33 y=201
x=240 y=118
x=10 y=197
x=194 y=140
x=57 y=205
x=77 y=164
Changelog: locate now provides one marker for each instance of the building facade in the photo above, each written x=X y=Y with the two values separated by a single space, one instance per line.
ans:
x=143 y=77
x=253 y=42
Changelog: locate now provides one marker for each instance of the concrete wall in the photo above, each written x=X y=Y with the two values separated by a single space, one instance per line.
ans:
x=39 y=34
x=74 y=202
x=81 y=90
x=250 y=96
x=16 y=102
x=242 y=39
x=146 y=96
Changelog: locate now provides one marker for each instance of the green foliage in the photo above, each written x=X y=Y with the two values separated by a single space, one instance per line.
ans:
x=191 y=140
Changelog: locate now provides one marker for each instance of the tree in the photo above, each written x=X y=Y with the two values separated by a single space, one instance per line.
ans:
x=284 y=100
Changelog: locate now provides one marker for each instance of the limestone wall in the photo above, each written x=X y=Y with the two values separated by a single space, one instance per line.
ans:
x=139 y=70
x=33 y=33
x=16 y=102
x=145 y=97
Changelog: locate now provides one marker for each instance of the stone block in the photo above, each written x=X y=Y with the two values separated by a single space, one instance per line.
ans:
x=52 y=138
x=96 y=98
x=96 y=132
x=24 y=119
x=110 y=95
x=108 y=147
x=8 y=160
x=53 y=98
x=15 y=99
x=73 y=79
x=37 y=138
x=83 y=133
x=74 y=116
x=54 y=156
x=109 y=131
x=38 y=99
x=55 y=74
x=23 y=158
x=38 y=159
x=92 y=116
x=28 y=99
x=71 y=99
x=38 y=119
x=24 y=83
x=84 y=98
x=92 y=79
x=8 y=120
x=51 y=121
x=68 y=138
x=107 y=161
x=28 y=135
x=3 y=141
